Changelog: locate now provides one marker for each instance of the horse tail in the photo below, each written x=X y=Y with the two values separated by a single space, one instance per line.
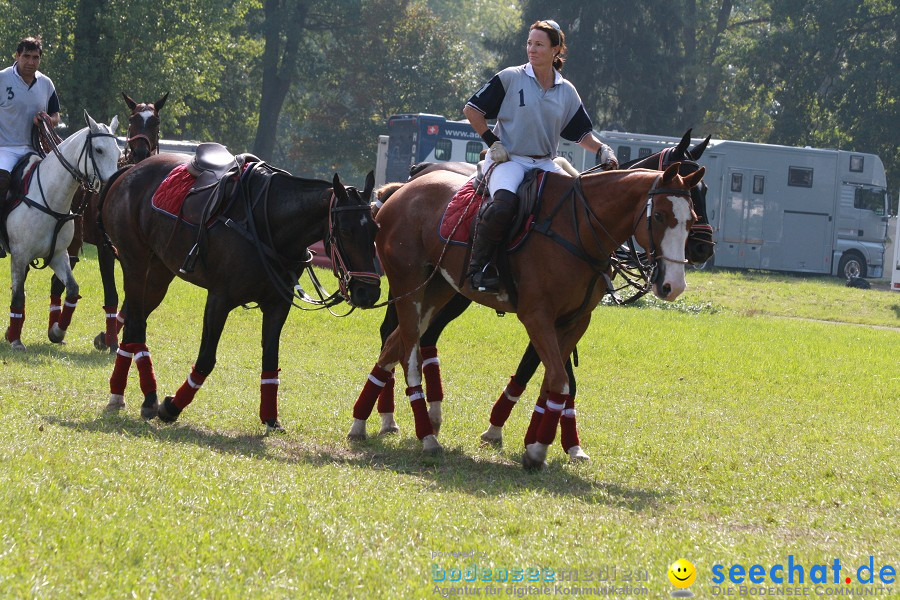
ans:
x=383 y=193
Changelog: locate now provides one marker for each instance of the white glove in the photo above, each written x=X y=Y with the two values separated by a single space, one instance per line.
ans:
x=498 y=152
x=606 y=158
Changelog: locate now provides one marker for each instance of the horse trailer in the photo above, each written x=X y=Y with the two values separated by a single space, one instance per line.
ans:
x=895 y=263
x=772 y=207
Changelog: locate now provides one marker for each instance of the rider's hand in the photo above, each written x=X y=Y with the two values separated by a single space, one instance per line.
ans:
x=40 y=117
x=498 y=152
x=606 y=158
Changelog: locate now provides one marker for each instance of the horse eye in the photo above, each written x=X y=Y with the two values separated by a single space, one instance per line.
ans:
x=658 y=217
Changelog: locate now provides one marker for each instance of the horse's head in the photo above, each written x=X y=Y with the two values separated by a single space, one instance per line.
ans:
x=94 y=152
x=351 y=243
x=669 y=216
x=700 y=246
x=142 y=138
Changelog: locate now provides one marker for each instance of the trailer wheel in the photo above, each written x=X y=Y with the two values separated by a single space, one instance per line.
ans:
x=852 y=265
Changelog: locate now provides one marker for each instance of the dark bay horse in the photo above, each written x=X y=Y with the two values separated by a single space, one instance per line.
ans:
x=698 y=250
x=141 y=141
x=254 y=253
x=581 y=222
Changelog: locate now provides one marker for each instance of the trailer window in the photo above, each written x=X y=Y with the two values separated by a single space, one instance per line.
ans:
x=737 y=182
x=856 y=163
x=443 y=149
x=623 y=154
x=473 y=152
x=644 y=152
x=800 y=177
x=870 y=199
x=759 y=184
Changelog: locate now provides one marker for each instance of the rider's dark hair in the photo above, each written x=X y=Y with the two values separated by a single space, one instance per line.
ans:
x=31 y=44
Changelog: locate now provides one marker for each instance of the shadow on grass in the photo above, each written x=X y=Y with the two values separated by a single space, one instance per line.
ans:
x=41 y=350
x=454 y=470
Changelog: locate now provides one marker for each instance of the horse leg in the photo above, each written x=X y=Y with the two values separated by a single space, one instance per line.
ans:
x=214 y=316
x=57 y=286
x=380 y=376
x=386 y=387
x=274 y=316
x=108 y=340
x=510 y=396
x=431 y=365
x=146 y=290
x=571 y=444
x=61 y=264
x=18 y=273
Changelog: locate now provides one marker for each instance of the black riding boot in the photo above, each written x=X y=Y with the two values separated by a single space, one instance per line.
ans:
x=4 y=188
x=493 y=226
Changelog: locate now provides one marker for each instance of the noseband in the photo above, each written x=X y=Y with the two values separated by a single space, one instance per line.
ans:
x=336 y=251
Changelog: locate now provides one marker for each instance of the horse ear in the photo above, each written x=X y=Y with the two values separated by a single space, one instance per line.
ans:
x=131 y=103
x=338 y=187
x=697 y=151
x=695 y=177
x=670 y=173
x=114 y=124
x=90 y=122
x=681 y=148
x=159 y=103
x=370 y=186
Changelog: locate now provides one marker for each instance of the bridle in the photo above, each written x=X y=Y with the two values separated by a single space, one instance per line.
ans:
x=89 y=183
x=335 y=248
x=152 y=143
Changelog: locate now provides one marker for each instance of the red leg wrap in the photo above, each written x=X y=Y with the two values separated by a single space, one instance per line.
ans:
x=431 y=368
x=567 y=424
x=55 y=309
x=268 y=395
x=386 y=397
x=119 y=378
x=112 y=329
x=144 y=367
x=370 y=392
x=65 y=318
x=549 y=422
x=420 y=411
x=189 y=388
x=505 y=403
x=16 y=320
x=539 y=409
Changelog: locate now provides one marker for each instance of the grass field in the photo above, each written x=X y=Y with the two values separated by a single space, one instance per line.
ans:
x=735 y=426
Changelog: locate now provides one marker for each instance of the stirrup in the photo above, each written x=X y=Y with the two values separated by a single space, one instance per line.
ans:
x=486 y=279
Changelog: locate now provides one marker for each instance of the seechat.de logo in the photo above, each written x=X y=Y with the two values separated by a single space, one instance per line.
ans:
x=682 y=574
x=794 y=572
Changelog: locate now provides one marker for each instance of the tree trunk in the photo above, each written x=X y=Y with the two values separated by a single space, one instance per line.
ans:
x=90 y=89
x=284 y=22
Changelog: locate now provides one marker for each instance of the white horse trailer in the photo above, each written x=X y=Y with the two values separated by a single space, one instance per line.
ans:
x=782 y=208
x=895 y=263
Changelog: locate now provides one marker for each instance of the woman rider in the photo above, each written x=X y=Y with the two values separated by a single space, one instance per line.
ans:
x=533 y=105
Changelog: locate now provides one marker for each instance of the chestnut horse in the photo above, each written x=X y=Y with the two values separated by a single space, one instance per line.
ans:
x=142 y=140
x=254 y=251
x=698 y=250
x=580 y=223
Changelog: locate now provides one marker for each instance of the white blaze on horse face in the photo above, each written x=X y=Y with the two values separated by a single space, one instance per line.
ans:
x=672 y=247
x=146 y=114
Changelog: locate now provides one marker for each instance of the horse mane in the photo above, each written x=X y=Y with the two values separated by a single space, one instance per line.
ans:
x=383 y=193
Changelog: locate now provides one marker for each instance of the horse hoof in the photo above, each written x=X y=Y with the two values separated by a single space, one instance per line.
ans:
x=389 y=430
x=56 y=334
x=273 y=426
x=493 y=436
x=115 y=404
x=167 y=411
x=18 y=346
x=430 y=445
x=388 y=424
x=535 y=457
x=357 y=431
x=576 y=454
x=150 y=407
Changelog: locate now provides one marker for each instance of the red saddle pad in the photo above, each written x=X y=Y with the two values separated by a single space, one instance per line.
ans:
x=459 y=217
x=170 y=194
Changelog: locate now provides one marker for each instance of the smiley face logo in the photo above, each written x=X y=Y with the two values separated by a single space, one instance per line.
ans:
x=682 y=573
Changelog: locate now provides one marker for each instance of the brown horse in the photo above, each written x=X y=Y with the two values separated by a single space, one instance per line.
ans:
x=142 y=141
x=255 y=248
x=580 y=223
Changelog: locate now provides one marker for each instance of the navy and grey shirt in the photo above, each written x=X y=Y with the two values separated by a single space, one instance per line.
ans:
x=20 y=102
x=531 y=120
